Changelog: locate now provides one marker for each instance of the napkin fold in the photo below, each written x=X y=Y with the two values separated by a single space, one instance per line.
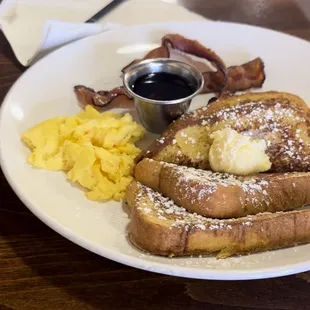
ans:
x=36 y=27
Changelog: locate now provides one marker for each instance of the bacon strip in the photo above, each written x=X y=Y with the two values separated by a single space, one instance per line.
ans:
x=239 y=78
x=187 y=46
x=193 y=47
x=223 y=81
x=115 y=98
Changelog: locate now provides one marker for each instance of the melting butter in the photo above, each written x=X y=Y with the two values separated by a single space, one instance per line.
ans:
x=235 y=153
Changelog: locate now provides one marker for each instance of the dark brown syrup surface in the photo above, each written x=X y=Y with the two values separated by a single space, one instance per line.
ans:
x=163 y=86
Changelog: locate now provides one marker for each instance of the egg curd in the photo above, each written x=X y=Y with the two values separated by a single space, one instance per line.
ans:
x=96 y=150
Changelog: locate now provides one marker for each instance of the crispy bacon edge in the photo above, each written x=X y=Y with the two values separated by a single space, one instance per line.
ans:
x=159 y=52
x=86 y=95
x=239 y=78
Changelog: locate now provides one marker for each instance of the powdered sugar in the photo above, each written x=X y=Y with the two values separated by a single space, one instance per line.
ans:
x=190 y=179
x=279 y=123
x=178 y=217
x=212 y=181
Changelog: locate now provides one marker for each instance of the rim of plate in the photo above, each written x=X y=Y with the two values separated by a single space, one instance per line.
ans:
x=136 y=262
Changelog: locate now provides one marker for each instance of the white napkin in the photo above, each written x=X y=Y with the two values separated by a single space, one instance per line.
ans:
x=36 y=27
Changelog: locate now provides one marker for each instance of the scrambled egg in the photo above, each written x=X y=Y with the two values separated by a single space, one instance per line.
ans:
x=96 y=150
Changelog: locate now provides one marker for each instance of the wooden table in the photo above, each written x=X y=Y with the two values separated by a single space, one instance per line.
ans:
x=39 y=269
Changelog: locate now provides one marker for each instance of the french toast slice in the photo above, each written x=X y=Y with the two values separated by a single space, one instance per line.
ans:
x=282 y=119
x=222 y=195
x=160 y=227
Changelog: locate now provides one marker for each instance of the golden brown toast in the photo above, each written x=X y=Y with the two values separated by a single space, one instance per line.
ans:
x=222 y=195
x=160 y=227
x=282 y=119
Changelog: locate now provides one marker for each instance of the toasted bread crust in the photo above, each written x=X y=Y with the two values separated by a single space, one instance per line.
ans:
x=155 y=230
x=281 y=118
x=223 y=196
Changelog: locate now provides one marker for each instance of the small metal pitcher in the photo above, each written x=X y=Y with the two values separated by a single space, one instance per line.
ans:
x=156 y=115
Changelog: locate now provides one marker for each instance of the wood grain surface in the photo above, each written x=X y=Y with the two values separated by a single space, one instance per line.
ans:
x=41 y=270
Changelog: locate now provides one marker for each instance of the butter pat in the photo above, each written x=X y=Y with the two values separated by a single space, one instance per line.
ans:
x=234 y=153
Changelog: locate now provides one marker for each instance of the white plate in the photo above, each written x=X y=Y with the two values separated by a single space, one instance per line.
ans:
x=45 y=91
